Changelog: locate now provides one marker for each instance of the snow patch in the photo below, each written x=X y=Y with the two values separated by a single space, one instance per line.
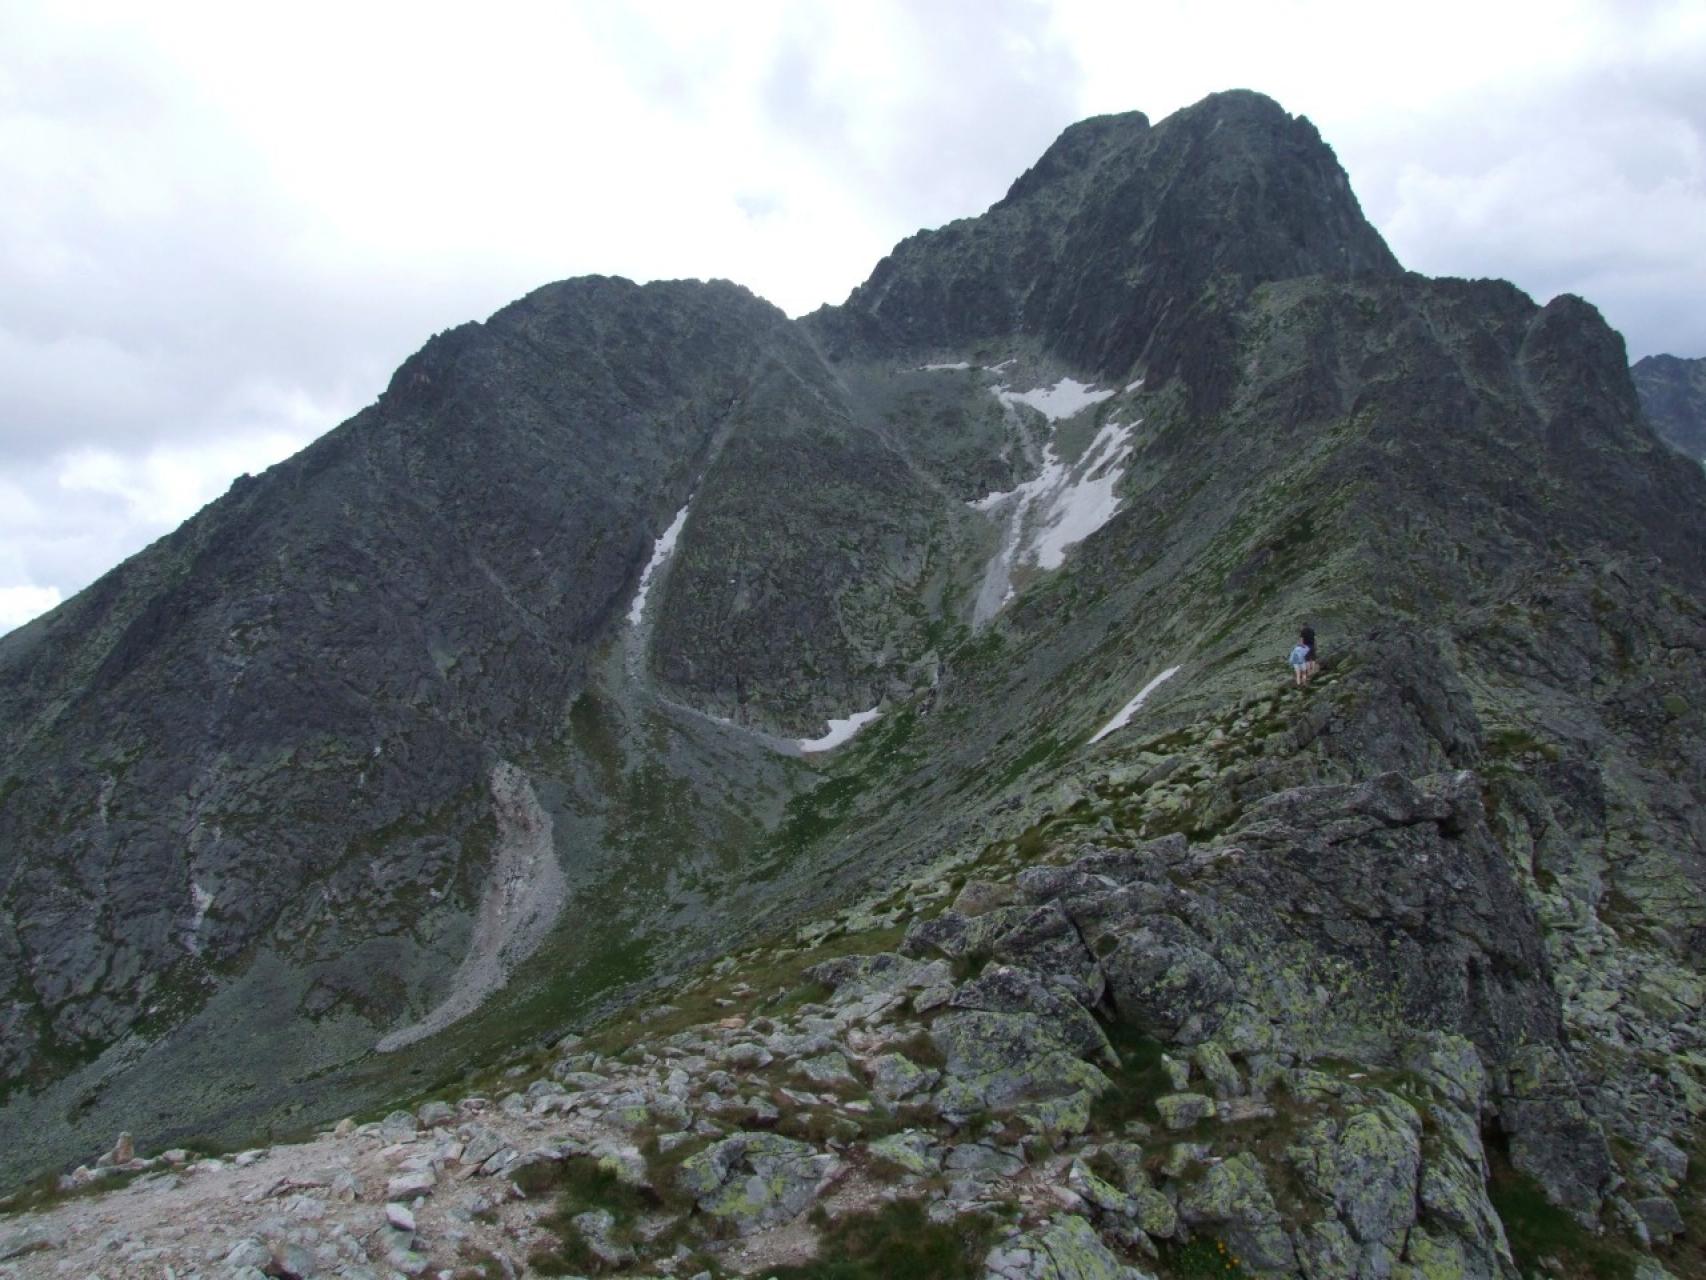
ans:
x=1083 y=501
x=1133 y=386
x=1130 y=709
x=933 y=368
x=660 y=553
x=1063 y=503
x=1065 y=399
x=840 y=731
x=200 y=901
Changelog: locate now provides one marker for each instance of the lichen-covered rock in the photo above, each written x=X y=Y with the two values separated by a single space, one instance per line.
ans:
x=955 y=935
x=913 y=1150
x=997 y=1061
x=1367 y=1166
x=1233 y=1197
x=1325 y=1250
x=1066 y=1249
x=1164 y=979
x=1011 y=989
x=827 y=1069
x=756 y=1180
x=1046 y=941
x=1217 y=1069
x=1182 y=1110
x=896 y=1079
x=1098 y=1193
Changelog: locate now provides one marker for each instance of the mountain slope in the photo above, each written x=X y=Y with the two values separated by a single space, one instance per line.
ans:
x=1166 y=401
x=1673 y=396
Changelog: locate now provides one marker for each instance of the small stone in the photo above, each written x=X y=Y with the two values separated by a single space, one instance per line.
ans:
x=400 y=1216
x=1218 y=1070
x=914 y=1150
x=826 y=1069
x=1182 y=1110
x=296 y=1263
x=482 y=1145
x=1182 y=1155
x=399 y=1126
x=748 y=1056
x=595 y=1229
x=433 y=1114
x=410 y=1185
x=1661 y=1216
x=896 y=1079
x=1178 y=1072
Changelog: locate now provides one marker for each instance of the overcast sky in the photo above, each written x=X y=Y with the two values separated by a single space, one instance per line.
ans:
x=223 y=225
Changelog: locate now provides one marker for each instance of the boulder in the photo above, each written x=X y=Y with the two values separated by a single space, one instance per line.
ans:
x=757 y=1180
x=1182 y=1110
x=997 y=1061
x=913 y=1150
x=896 y=1079
x=1011 y=989
x=399 y=1126
x=1367 y=1166
x=1066 y=1249
x=1233 y=1197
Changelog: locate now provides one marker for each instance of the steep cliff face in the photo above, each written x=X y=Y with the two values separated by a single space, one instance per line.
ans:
x=1127 y=248
x=556 y=620
x=1673 y=396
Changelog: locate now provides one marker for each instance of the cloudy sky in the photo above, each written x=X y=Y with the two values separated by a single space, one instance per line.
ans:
x=221 y=226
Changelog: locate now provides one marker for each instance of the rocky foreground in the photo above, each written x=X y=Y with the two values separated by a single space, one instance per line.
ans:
x=982 y=1089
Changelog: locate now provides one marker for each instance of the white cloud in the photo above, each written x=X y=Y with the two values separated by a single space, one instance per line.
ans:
x=20 y=604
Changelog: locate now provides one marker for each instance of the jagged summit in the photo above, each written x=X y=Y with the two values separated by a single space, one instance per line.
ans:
x=639 y=625
x=1126 y=248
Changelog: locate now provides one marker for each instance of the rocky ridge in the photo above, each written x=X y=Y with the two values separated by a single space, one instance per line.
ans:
x=1673 y=396
x=1098 y=1055
x=888 y=1077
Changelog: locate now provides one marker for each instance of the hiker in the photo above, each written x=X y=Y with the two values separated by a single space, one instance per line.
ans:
x=1308 y=637
x=1300 y=664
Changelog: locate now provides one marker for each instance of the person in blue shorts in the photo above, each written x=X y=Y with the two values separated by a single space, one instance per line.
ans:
x=1300 y=660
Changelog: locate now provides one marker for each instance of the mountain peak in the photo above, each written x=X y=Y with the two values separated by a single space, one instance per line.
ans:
x=1127 y=247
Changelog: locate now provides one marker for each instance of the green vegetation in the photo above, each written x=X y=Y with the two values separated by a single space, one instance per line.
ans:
x=45 y=1192
x=1538 y=1229
x=1510 y=744
x=896 y=1242
x=584 y=1185
x=769 y=974
x=1138 y=1081
x=1201 y=1259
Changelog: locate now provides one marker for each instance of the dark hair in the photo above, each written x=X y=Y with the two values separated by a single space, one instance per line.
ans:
x=1307 y=635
